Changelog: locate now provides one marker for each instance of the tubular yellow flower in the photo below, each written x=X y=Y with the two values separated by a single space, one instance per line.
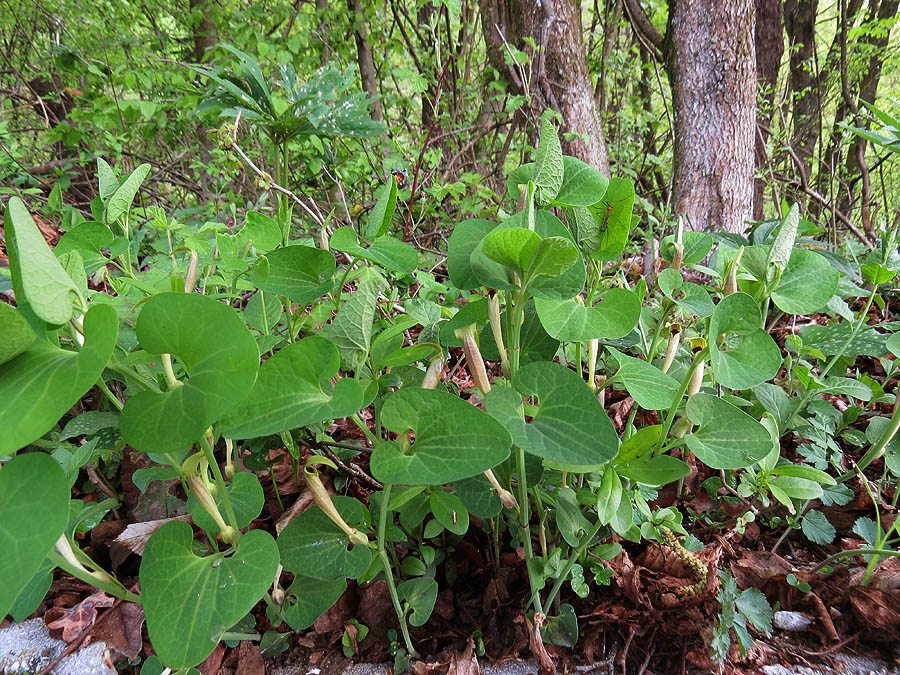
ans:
x=323 y=500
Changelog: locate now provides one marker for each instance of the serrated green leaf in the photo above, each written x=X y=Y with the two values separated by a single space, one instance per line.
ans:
x=753 y=605
x=817 y=528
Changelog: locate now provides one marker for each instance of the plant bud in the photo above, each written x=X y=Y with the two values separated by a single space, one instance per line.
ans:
x=323 y=500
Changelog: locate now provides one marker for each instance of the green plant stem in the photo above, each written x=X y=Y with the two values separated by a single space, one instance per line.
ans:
x=859 y=551
x=114 y=589
x=524 y=525
x=878 y=448
x=373 y=439
x=673 y=410
x=340 y=288
x=570 y=563
x=388 y=572
x=660 y=325
x=220 y=485
x=127 y=371
x=112 y=398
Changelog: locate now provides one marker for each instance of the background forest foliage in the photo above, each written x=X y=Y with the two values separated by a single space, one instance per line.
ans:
x=455 y=84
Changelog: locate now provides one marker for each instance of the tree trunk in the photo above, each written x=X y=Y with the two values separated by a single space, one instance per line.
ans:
x=364 y=58
x=769 y=40
x=800 y=23
x=204 y=29
x=559 y=74
x=712 y=67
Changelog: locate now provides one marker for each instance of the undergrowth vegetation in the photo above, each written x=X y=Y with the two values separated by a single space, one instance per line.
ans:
x=530 y=393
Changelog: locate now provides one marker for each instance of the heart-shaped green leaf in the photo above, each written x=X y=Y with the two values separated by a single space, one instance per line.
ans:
x=34 y=510
x=87 y=238
x=513 y=247
x=43 y=382
x=648 y=385
x=748 y=355
x=307 y=599
x=570 y=425
x=421 y=595
x=807 y=284
x=478 y=496
x=582 y=184
x=388 y=252
x=293 y=390
x=312 y=545
x=260 y=231
x=466 y=236
x=691 y=297
x=454 y=439
x=219 y=355
x=301 y=273
x=189 y=601
x=247 y=499
x=728 y=438
x=570 y=321
x=38 y=278
x=449 y=511
x=16 y=333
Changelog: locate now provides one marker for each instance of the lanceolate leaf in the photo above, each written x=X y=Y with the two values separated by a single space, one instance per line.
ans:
x=453 y=440
x=121 y=199
x=383 y=211
x=38 y=278
x=781 y=249
x=293 y=390
x=39 y=385
x=34 y=509
x=189 y=601
x=548 y=166
x=351 y=330
x=219 y=355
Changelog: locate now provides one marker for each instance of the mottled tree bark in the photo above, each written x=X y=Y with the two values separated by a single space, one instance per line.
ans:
x=204 y=29
x=712 y=69
x=769 y=40
x=800 y=24
x=560 y=77
x=364 y=58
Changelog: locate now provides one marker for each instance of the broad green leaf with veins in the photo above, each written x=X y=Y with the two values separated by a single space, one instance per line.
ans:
x=454 y=439
x=39 y=385
x=292 y=391
x=34 y=510
x=190 y=601
x=219 y=355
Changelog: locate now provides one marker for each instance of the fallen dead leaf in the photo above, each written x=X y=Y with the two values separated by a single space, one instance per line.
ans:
x=136 y=535
x=77 y=619
x=465 y=663
x=120 y=629
x=250 y=660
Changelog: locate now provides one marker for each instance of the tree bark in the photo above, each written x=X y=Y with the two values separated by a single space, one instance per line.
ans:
x=800 y=23
x=560 y=78
x=712 y=69
x=204 y=29
x=364 y=58
x=769 y=40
